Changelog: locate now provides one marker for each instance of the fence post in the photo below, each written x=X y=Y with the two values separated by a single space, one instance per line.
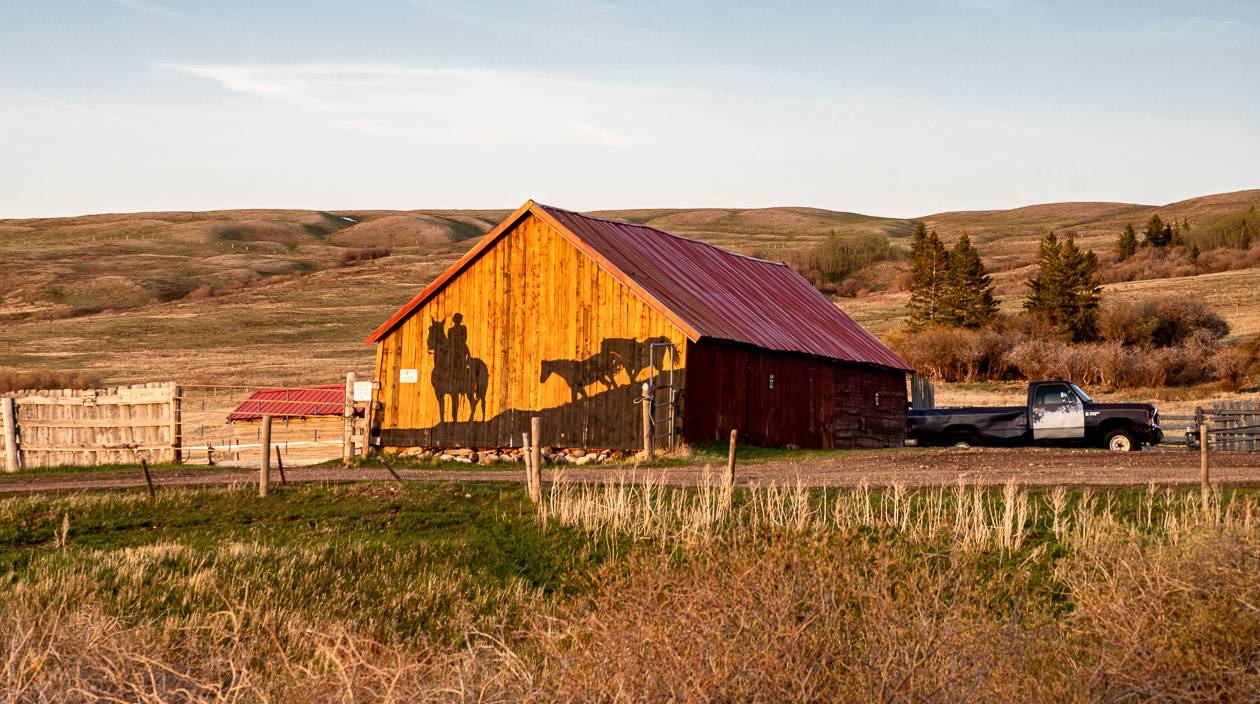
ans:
x=527 y=453
x=1203 y=464
x=648 y=430
x=347 y=422
x=177 y=431
x=535 y=459
x=9 y=408
x=264 y=467
x=730 y=460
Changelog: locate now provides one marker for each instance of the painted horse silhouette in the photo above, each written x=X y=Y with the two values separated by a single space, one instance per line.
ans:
x=456 y=373
x=600 y=368
x=616 y=354
x=634 y=356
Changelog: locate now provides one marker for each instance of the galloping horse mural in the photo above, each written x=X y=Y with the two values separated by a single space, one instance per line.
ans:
x=456 y=373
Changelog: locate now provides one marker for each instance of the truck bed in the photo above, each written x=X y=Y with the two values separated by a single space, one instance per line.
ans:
x=996 y=424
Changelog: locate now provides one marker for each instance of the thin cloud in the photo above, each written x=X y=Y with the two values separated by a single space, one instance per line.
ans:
x=149 y=8
x=446 y=104
x=85 y=110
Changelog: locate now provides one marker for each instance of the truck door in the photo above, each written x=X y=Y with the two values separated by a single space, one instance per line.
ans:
x=1057 y=413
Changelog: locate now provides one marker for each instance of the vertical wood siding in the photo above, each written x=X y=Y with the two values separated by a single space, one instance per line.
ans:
x=530 y=297
x=813 y=403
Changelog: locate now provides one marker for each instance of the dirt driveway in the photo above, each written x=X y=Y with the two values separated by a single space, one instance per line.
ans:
x=875 y=468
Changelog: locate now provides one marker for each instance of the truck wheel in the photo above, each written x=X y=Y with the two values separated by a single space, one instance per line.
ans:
x=1121 y=440
x=963 y=440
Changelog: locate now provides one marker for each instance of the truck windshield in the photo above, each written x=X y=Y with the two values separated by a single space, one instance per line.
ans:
x=1084 y=396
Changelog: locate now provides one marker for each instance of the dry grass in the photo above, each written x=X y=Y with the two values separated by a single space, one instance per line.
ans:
x=768 y=594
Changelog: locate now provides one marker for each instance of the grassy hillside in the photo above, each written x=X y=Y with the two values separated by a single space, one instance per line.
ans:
x=263 y=296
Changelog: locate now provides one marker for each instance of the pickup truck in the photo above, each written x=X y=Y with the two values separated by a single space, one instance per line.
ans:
x=1057 y=413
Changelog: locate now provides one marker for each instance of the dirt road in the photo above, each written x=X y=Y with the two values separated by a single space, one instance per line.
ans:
x=908 y=468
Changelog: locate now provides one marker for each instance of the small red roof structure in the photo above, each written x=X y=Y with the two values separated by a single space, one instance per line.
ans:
x=708 y=292
x=292 y=402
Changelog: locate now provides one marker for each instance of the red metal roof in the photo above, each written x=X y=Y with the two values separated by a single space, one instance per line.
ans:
x=300 y=401
x=707 y=291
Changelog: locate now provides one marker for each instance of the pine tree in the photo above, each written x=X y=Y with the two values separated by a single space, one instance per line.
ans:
x=1045 y=294
x=1066 y=291
x=1194 y=252
x=1157 y=232
x=1083 y=291
x=1126 y=244
x=928 y=275
x=1176 y=240
x=968 y=300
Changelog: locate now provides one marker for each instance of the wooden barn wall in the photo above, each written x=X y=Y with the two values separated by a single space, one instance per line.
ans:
x=531 y=300
x=813 y=403
x=870 y=407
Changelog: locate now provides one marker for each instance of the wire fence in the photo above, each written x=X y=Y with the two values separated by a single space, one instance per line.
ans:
x=223 y=424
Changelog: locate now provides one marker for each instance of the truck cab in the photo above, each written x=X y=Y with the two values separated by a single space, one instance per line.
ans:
x=1057 y=412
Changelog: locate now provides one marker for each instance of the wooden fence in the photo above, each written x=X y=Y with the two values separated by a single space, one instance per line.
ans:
x=117 y=425
x=1233 y=426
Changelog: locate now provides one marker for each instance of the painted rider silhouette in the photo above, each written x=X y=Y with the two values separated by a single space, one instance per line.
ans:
x=457 y=343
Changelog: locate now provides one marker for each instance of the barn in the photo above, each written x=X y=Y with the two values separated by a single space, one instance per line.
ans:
x=565 y=316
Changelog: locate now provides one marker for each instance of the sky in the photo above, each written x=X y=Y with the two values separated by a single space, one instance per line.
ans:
x=886 y=108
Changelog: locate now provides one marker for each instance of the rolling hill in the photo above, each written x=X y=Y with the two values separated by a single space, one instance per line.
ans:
x=269 y=296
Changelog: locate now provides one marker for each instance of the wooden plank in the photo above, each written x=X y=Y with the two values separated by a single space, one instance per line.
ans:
x=85 y=423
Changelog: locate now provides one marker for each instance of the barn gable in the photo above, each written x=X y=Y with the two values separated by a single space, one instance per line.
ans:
x=705 y=291
x=547 y=331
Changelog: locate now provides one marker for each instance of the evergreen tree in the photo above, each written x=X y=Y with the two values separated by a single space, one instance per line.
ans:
x=968 y=301
x=1045 y=291
x=1176 y=240
x=1126 y=244
x=1157 y=232
x=1194 y=252
x=1084 y=291
x=1066 y=291
x=928 y=276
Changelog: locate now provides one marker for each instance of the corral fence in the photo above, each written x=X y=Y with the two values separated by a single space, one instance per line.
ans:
x=115 y=425
x=183 y=423
x=1233 y=426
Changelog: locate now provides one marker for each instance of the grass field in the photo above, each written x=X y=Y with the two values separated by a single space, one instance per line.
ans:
x=628 y=593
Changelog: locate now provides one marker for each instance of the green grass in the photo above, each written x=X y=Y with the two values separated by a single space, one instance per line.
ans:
x=419 y=561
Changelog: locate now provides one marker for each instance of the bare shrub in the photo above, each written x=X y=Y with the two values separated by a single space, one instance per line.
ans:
x=853 y=288
x=1114 y=363
x=354 y=255
x=1162 y=322
x=901 y=282
x=47 y=379
x=1035 y=359
x=1232 y=367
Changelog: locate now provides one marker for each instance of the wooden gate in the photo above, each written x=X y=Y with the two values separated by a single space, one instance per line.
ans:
x=117 y=425
x=1235 y=425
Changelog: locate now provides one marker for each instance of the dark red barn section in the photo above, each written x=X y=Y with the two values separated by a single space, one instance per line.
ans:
x=780 y=398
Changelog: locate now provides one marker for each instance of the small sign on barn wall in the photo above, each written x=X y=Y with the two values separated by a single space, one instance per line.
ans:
x=362 y=391
x=408 y=376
